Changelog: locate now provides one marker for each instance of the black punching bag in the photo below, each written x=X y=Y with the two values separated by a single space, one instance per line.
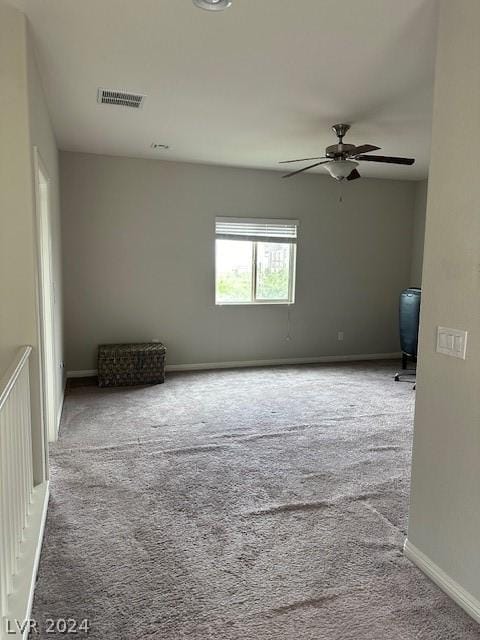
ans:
x=409 y=320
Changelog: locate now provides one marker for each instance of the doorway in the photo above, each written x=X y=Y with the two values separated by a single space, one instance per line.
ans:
x=46 y=299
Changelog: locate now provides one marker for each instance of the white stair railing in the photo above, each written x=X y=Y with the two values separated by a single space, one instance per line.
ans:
x=16 y=474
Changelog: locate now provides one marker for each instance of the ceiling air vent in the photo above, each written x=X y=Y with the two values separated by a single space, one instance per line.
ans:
x=120 y=98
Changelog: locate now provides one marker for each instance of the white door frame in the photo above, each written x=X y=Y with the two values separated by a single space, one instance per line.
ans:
x=46 y=298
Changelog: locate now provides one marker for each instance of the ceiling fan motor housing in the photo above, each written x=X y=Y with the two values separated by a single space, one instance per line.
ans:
x=339 y=150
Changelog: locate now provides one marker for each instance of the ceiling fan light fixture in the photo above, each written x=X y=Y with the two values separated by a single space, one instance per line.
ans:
x=212 y=5
x=340 y=169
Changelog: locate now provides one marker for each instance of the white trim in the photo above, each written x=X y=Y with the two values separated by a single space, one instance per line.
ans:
x=257 y=303
x=84 y=373
x=468 y=602
x=237 y=364
x=20 y=601
x=11 y=375
x=45 y=313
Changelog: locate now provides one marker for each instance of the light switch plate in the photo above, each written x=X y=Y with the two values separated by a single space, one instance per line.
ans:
x=452 y=342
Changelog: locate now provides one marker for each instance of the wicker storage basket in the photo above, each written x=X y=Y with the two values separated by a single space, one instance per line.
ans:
x=131 y=364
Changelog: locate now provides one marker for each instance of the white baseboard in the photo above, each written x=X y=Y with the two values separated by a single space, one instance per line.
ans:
x=235 y=364
x=280 y=361
x=470 y=604
x=19 y=603
x=85 y=373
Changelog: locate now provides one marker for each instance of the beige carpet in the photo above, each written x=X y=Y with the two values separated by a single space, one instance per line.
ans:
x=249 y=504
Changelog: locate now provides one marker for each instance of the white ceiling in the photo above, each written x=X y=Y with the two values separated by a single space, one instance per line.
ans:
x=258 y=83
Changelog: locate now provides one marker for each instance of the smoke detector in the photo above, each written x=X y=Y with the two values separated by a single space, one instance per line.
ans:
x=212 y=5
x=120 y=98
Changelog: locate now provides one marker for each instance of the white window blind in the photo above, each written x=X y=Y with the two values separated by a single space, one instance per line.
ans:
x=256 y=229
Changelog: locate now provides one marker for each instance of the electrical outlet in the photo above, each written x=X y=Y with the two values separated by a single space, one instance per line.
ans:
x=340 y=336
x=452 y=342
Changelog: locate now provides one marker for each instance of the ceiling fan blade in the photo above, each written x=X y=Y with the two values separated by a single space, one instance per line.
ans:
x=364 y=148
x=388 y=159
x=302 y=160
x=354 y=175
x=310 y=166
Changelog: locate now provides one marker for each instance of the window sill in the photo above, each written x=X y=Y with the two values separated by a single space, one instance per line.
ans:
x=255 y=304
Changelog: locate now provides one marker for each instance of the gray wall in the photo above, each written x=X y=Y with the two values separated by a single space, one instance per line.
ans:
x=138 y=241
x=419 y=215
x=17 y=260
x=24 y=122
x=444 y=520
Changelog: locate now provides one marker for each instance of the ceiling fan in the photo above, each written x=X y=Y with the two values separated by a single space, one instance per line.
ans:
x=341 y=160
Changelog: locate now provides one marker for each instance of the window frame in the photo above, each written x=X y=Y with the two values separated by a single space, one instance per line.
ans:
x=254 y=300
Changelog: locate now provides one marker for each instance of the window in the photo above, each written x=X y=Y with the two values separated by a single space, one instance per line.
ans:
x=255 y=260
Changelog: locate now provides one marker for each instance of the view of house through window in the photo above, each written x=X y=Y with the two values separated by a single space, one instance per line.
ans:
x=255 y=261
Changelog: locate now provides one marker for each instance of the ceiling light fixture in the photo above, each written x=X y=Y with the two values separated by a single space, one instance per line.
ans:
x=212 y=5
x=340 y=169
